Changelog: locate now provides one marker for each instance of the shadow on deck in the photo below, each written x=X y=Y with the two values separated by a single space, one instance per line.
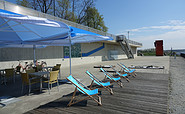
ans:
x=147 y=93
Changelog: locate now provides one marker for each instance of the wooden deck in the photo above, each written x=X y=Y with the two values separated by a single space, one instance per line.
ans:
x=147 y=93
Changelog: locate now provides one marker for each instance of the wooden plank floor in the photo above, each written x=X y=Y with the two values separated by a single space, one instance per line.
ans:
x=147 y=93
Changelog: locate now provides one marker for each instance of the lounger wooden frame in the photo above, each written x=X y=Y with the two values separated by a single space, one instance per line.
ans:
x=99 y=82
x=121 y=75
x=127 y=69
x=107 y=75
x=71 y=102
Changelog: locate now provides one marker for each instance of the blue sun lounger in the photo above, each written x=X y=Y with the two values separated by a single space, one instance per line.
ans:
x=83 y=89
x=125 y=69
x=100 y=83
x=110 y=77
x=121 y=75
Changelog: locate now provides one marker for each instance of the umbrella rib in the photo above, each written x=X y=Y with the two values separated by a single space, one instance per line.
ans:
x=12 y=31
x=9 y=26
x=32 y=31
x=4 y=23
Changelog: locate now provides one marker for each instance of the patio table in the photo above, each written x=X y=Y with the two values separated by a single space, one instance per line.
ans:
x=2 y=73
x=40 y=75
x=47 y=68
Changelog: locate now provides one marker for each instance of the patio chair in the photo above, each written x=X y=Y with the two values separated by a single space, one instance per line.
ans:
x=55 y=68
x=29 y=80
x=38 y=68
x=18 y=69
x=100 y=83
x=130 y=72
x=9 y=73
x=53 y=78
x=127 y=69
x=84 y=90
x=121 y=75
x=110 y=77
x=58 y=65
x=30 y=71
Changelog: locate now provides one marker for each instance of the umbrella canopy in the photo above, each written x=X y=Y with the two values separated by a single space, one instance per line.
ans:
x=21 y=46
x=18 y=29
x=76 y=36
x=83 y=36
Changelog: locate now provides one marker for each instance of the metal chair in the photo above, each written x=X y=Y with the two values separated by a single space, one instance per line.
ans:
x=29 y=80
x=53 y=78
x=9 y=73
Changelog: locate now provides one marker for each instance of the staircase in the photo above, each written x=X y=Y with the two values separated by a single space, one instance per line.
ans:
x=123 y=41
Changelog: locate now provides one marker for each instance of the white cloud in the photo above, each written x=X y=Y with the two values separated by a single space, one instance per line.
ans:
x=176 y=22
x=166 y=27
x=174 y=39
x=172 y=32
x=170 y=25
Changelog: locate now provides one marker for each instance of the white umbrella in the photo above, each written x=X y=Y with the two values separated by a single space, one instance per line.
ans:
x=16 y=28
x=19 y=29
x=22 y=31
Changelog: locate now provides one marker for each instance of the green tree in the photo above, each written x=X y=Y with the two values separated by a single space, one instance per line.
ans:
x=64 y=10
x=94 y=19
x=79 y=11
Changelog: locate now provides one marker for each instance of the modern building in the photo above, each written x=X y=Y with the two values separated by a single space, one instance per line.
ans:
x=119 y=48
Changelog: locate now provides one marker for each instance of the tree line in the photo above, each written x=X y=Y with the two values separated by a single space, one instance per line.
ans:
x=80 y=11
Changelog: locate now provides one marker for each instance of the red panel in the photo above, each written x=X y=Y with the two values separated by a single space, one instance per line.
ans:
x=159 y=47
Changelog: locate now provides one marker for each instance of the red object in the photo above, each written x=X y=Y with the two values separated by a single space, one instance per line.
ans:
x=159 y=47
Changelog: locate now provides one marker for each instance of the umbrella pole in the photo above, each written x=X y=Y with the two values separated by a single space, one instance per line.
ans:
x=70 y=58
x=70 y=52
x=34 y=55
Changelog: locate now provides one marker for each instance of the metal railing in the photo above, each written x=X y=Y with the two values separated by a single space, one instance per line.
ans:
x=27 y=11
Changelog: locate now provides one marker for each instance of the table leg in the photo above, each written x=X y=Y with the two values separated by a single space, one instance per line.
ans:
x=40 y=84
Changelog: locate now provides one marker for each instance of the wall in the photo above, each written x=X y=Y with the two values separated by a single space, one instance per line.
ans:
x=15 y=54
x=52 y=62
x=105 y=52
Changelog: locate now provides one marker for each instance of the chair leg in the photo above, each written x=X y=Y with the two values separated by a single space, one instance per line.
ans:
x=127 y=79
x=120 y=84
x=29 y=89
x=49 y=87
x=14 y=77
x=58 y=86
x=105 y=78
x=132 y=75
x=5 y=80
x=40 y=84
x=22 y=88
x=74 y=93
x=110 y=90
x=97 y=101
x=91 y=84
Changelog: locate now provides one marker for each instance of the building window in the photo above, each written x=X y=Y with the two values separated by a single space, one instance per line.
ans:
x=75 y=51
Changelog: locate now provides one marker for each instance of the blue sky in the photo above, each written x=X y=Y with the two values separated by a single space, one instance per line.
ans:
x=146 y=20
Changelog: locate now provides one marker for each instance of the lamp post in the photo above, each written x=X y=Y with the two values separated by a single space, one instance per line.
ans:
x=128 y=34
